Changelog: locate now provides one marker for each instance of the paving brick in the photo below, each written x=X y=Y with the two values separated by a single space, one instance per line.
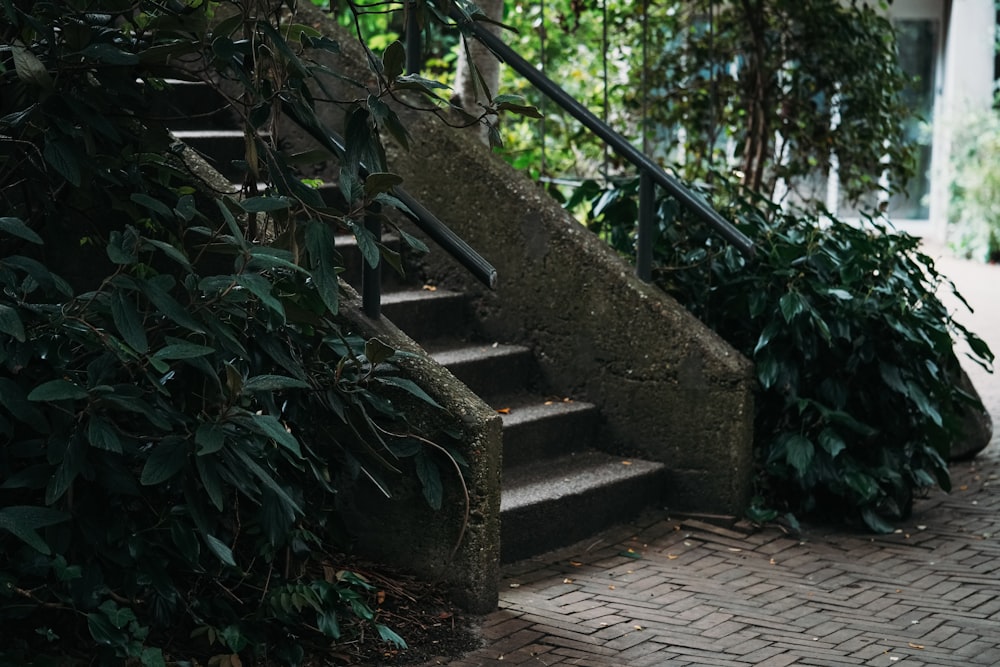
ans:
x=833 y=599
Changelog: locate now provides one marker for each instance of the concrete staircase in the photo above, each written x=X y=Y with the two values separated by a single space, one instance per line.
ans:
x=559 y=485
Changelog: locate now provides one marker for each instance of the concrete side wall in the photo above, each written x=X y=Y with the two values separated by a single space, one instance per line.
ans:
x=667 y=386
x=460 y=543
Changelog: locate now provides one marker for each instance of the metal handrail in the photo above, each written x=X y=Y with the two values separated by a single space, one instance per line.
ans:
x=426 y=221
x=650 y=172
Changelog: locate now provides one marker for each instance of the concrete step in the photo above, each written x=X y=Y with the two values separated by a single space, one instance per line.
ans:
x=557 y=489
x=490 y=370
x=429 y=316
x=541 y=429
x=564 y=500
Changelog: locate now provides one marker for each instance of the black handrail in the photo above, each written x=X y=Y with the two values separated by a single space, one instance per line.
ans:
x=426 y=221
x=650 y=172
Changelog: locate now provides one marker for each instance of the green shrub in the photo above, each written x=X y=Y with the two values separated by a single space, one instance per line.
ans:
x=857 y=404
x=178 y=403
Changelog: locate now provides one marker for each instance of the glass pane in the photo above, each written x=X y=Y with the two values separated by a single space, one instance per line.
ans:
x=917 y=41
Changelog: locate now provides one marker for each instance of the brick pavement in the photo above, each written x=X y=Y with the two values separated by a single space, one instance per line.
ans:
x=676 y=592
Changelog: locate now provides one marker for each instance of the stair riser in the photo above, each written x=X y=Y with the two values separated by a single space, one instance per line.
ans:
x=491 y=377
x=541 y=439
x=430 y=320
x=551 y=524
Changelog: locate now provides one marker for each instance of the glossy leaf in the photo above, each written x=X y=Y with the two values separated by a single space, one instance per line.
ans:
x=24 y=523
x=166 y=459
x=16 y=227
x=10 y=323
x=57 y=390
x=128 y=321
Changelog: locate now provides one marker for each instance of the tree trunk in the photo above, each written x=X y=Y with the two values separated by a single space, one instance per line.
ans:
x=468 y=87
x=758 y=137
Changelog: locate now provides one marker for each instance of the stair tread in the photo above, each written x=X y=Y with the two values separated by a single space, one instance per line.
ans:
x=403 y=295
x=517 y=410
x=569 y=476
x=477 y=351
x=208 y=134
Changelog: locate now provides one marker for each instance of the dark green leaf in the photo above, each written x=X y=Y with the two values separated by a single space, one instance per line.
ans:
x=29 y=68
x=282 y=47
x=831 y=441
x=106 y=53
x=170 y=251
x=102 y=435
x=413 y=242
x=183 y=351
x=270 y=427
x=169 y=306
x=923 y=403
x=320 y=245
x=128 y=321
x=10 y=323
x=262 y=288
x=210 y=438
x=15 y=227
x=417 y=82
x=186 y=208
x=57 y=390
x=367 y=244
x=875 y=522
x=430 y=480
x=265 y=204
x=376 y=351
x=211 y=480
x=791 y=304
x=153 y=204
x=387 y=635
x=799 y=453
x=62 y=157
x=221 y=551
x=381 y=182
x=123 y=246
x=411 y=387
x=525 y=110
x=166 y=460
x=102 y=631
x=393 y=60
x=326 y=621
x=257 y=471
x=12 y=397
x=273 y=383
x=24 y=522
x=267 y=258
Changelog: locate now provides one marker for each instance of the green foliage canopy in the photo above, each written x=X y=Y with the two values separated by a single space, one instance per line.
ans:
x=858 y=399
x=179 y=404
x=769 y=89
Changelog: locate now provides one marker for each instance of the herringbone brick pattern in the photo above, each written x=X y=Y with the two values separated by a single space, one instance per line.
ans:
x=675 y=592
x=684 y=592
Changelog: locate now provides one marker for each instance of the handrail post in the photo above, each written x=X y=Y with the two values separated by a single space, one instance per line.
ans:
x=413 y=45
x=371 y=276
x=644 y=241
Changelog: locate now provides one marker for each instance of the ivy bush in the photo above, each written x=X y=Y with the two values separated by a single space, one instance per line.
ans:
x=857 y=402
x=178 y=402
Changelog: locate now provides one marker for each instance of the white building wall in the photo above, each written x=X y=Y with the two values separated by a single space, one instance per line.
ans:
x=964 y=85
x=967 y=89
